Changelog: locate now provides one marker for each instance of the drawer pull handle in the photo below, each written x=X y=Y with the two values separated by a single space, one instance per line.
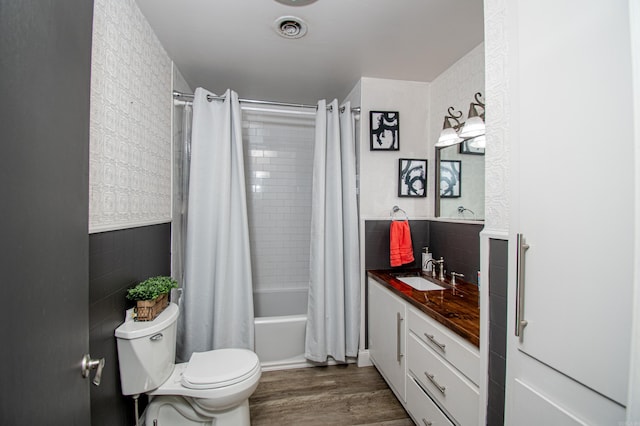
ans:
x=432 y=379
x=426 y=422
x=433 y=340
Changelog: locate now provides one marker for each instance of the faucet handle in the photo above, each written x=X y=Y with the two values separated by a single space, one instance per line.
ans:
x=436 y=263
x=442 y=271
x=453 y=277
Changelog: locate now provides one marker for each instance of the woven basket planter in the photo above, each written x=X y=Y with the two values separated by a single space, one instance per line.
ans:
x=148 y=310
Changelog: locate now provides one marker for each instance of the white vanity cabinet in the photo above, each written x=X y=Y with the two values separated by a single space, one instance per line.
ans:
x=387 y=337
x=433 y=371
x=571 y=281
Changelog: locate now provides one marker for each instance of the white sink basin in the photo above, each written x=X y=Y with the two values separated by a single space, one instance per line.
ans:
x=420 y=284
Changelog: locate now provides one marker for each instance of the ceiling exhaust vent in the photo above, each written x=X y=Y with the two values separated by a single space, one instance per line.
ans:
x=290 y=27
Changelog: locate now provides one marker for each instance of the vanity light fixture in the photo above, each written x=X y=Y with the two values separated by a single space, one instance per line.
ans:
x=478 y=142
x=473 y=129
x=474 y=126
x=449 y=135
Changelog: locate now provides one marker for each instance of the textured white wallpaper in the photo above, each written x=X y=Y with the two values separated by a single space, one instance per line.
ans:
x=130 y=129
x=497 y=116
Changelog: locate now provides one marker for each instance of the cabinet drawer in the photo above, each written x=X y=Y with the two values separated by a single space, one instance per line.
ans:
x=462 y=354
x=423 y=410
x=454 y=392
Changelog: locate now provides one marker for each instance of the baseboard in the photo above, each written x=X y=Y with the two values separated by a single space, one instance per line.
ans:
x=363 y=358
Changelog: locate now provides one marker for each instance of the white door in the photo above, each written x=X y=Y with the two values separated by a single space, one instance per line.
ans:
x=387 y=346
x=573 y=170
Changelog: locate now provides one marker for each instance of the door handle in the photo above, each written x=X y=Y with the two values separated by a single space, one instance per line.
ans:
x=399 y=320
x=521 y=248
x=87 y=364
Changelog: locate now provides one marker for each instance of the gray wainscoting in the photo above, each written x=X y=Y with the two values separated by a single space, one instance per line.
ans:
x=458 y=243
x=498 y=258
x=117 y=261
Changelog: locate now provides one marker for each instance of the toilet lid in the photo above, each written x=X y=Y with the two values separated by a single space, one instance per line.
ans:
x=219 y=368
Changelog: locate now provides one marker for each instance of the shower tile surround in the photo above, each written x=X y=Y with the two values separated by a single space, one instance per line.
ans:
x=278 y=162
x=179 y=169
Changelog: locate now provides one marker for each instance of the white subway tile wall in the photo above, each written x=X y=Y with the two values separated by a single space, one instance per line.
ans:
x=279 y=164
x=180 y=171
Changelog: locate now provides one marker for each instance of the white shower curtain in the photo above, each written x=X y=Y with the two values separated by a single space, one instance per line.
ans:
x=217 y=303
x=333 y=323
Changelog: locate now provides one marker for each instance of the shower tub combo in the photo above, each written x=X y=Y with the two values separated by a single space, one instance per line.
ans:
x=280 y=326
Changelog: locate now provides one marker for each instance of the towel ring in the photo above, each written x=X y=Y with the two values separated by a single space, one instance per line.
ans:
x=395 y=210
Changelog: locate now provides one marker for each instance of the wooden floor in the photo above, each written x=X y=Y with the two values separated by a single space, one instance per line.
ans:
x=334 y=395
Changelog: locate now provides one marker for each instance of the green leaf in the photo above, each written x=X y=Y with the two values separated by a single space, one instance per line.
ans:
x=151 y=288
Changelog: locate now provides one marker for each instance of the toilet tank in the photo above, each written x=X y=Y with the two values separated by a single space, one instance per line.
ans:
x=147 y=351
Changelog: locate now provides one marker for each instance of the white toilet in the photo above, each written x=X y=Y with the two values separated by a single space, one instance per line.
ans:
x=213 y=388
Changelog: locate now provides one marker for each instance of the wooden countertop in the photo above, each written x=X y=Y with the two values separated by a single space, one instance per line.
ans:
x=455 y=307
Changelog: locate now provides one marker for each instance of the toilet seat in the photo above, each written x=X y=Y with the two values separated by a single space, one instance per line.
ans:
x=247 y=380
x=219 y=368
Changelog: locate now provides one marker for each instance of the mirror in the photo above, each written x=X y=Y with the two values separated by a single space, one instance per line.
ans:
x=459 y=180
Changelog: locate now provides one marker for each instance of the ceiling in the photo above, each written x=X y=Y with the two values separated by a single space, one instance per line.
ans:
x=220 y=44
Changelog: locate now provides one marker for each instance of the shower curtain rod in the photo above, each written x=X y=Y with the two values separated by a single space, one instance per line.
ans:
x=188 y=97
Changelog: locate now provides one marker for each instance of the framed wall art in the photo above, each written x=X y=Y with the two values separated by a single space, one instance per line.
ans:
x=412 y=177
x=384 y=130
x=450 y=184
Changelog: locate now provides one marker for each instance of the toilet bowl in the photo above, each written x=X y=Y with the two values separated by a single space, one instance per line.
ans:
x=212 y=388
x=208 y=388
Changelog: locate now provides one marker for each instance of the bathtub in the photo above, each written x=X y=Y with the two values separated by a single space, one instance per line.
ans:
x=280 y=326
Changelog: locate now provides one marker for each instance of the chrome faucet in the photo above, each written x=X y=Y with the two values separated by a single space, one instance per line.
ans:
x=453 y=277
x=433 y=264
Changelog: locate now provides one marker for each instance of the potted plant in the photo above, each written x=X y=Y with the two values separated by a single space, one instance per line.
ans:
x=151 y=297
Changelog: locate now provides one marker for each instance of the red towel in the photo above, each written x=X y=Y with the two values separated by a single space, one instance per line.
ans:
x=400 y=247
